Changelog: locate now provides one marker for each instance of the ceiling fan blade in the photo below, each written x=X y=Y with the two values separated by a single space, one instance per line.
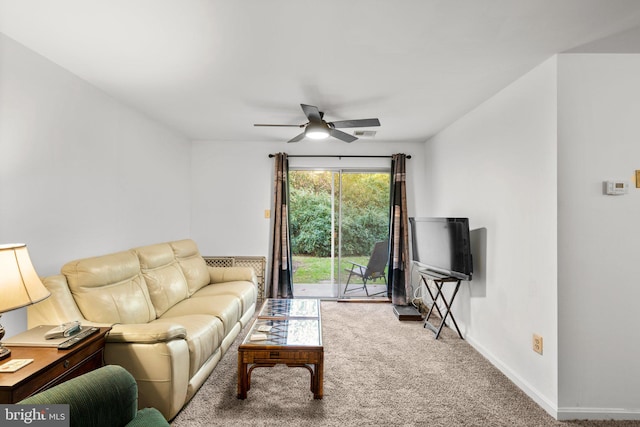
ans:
x=288 y=126
x=312 y=113
x=360 y=123
x=297 y=138
x=342 y=135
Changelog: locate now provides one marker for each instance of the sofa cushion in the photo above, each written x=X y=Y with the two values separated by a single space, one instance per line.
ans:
x=224 y=307
x=193 y=265
x=110 y=288
x=165 y=281
x=245 y=291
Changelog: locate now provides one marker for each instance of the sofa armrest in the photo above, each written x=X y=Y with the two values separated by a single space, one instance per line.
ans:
x=232 y=274
x=145 y=333
x=148 y=417
x=59 y=308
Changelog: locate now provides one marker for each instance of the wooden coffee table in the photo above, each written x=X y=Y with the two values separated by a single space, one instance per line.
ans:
x=286 y=332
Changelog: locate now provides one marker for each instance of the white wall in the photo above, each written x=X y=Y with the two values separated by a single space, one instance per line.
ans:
x=81 y=174
x=497 y=166
x=233 y=186
x=598 y=258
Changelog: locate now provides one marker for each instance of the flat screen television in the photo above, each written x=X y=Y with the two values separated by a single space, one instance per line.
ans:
x=443 y=246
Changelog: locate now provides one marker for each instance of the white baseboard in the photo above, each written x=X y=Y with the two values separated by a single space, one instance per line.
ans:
x=561 y=414
x=565 y=414
x=523 y=385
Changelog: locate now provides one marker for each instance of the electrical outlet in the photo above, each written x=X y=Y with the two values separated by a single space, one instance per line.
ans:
x=267 y=213
x=537 y=343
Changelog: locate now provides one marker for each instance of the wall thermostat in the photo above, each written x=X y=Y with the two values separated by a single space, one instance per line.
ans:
x=616 y=188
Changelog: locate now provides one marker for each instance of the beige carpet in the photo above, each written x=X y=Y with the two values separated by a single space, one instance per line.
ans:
x=378 y=371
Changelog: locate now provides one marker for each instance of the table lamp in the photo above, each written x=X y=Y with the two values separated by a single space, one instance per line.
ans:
x=19 y=283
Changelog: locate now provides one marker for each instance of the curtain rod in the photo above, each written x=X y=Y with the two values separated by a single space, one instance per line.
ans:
x=338 y=156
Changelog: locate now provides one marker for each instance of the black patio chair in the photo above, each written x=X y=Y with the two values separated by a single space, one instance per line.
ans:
x=373 y=271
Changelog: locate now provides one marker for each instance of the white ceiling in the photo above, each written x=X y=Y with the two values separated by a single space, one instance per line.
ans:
x=211 y=68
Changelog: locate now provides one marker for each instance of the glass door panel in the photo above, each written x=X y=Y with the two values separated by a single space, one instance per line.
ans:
x=364 y=221
x=336 y=215
x=312 y=217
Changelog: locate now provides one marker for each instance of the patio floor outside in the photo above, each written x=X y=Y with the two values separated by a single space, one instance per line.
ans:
x=328 y=291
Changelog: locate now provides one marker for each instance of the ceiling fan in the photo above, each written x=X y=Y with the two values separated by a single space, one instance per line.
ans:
x=318 y=128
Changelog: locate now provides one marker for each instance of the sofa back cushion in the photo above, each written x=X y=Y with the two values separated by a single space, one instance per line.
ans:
x=165 y=281
x=192 y=264
x=110 y=288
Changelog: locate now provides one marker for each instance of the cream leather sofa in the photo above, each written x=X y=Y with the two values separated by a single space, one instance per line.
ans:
x=172 y=316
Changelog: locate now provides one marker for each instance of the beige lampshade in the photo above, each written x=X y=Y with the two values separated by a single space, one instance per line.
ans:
x=19 y=283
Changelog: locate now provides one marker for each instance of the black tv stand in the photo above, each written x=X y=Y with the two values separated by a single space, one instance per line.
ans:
x=439 y=280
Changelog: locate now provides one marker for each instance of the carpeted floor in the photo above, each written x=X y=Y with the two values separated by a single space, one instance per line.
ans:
x=378 y=371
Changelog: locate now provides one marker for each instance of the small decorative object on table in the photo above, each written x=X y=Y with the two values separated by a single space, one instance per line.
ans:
x=14 y=364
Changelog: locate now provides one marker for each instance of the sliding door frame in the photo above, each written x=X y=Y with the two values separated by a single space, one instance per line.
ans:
x=336 y=282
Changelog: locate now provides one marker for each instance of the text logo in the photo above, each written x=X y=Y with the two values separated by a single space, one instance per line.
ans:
x=34 y=415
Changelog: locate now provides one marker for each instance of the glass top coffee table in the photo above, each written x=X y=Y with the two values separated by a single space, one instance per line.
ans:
x=287 y=331
x=282 y=308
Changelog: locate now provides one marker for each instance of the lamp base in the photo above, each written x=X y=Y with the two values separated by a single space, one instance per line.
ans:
x=4 y=352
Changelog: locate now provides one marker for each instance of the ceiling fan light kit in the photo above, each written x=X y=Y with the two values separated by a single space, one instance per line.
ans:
x=316 y=131
x=318 y=128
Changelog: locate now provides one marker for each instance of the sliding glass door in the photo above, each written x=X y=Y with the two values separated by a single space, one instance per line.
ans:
x=337 y=217
x=363 y=227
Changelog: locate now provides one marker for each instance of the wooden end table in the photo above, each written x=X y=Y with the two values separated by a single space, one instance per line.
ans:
x=50 y=366
x=293 y=338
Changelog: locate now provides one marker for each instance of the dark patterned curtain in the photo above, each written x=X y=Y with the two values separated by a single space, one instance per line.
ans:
x=281 y=280
x=399 y=288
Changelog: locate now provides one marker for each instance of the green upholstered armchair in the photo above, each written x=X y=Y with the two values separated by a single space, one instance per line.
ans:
x=105 y=397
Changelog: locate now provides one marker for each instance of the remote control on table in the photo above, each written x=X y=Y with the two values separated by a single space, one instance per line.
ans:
x=77 y=338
